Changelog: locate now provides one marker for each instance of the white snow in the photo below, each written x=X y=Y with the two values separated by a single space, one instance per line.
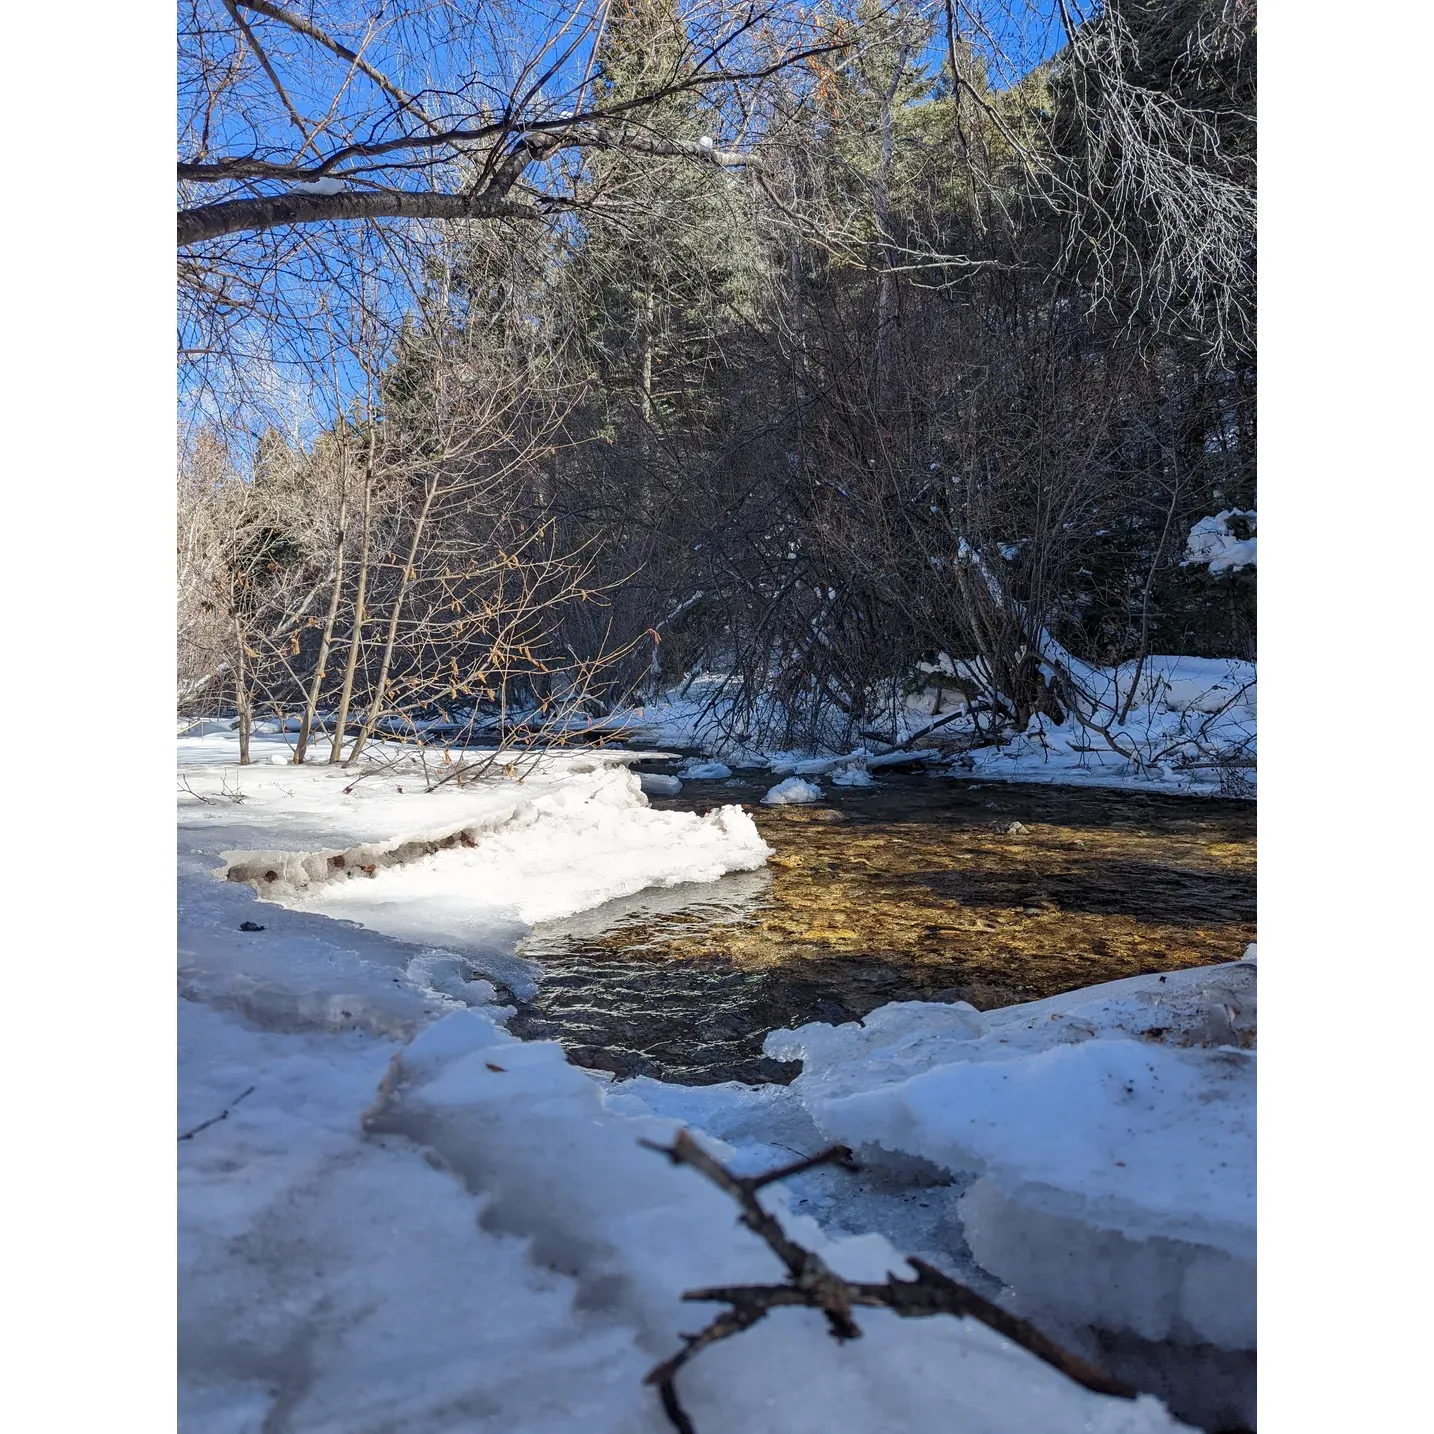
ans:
x=1186 y=717
x=786 y=765
x=1196 y=684
x=206 y=726
x=573 y=849
x=396 y=1215
x=328 y=184
x=989 y=1144
x=700 y=771
x=1112 y=1132
x=793 y=791
x=1214 y=545
x=1190 y=727
x=658 y=784
x=574 y=835
x=331 y=1280
x=903 y=757
x=465 y=1238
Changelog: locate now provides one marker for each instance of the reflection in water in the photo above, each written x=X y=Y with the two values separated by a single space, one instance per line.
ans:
x=653 y=916
x=923 y=888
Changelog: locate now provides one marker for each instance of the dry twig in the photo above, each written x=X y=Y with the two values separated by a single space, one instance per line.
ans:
x=811 y=1283
x=215 y=1119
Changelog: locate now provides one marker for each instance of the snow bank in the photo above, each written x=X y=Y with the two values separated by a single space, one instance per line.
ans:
x=458 y=1234
x=1213 y=543
x=588 y=842
x=1191 y=726
x=460 y=873
x=396 y=1215
x=337 y=1282
x=517 y=1123
x=792 y=792
x=1188 y=684
x=301 y=972
x=206 y=726
x=1111 y=1131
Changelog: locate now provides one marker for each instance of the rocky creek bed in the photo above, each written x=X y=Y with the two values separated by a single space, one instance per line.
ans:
x=920 y=888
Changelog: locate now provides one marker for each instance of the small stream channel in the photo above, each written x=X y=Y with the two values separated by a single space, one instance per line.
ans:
x=921 y=888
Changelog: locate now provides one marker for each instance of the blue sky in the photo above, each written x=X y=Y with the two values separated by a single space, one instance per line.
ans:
x=426 y=56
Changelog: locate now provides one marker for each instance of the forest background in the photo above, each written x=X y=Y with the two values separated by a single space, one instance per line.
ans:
x=1343 y=313
x=537 y=364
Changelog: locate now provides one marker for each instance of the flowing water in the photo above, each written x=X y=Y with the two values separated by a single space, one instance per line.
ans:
x=921 y=888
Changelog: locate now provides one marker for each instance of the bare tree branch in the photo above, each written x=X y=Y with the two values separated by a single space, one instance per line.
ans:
x=231 y=216
x=812 y=1284
x=312 y=32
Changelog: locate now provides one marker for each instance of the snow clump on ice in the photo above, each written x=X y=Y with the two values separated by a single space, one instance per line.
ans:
x=792 y=792
x=696 y=771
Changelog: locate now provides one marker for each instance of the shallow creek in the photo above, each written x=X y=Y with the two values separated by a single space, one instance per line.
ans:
x=921 y=888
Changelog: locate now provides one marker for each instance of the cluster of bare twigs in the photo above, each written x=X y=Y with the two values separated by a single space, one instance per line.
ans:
x=226 y=793
x=1161 y=203
x=812 y=1284
x=400 y=578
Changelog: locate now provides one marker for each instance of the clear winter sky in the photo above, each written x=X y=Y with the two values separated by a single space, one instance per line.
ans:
x=429 y=52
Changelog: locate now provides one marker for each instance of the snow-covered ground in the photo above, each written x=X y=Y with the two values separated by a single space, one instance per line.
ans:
x=1189 y=714
x=1190 y=726
x=395 y=1215
x=485 y=860
x=1095 y=1152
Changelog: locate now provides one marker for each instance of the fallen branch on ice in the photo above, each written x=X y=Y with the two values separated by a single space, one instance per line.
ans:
x=215 y=1119
x=223 y=794
x=813 y=1284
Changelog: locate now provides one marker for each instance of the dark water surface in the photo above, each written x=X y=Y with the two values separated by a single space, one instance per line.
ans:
x=917 y=889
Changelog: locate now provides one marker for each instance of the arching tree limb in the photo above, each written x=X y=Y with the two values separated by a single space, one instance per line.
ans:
x=233 y=216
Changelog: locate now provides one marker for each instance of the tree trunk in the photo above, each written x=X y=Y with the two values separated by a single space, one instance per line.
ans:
x=242 y=700
x=799 y=354
x=321 y=666
x=341 y=717
x=375 y=707
x=886 y=280
x=647 y=325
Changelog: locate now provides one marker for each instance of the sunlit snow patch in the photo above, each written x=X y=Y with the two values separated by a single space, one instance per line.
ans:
x=696 y=771
x=792 y=792
x=1112 y=1131
x=587 y=842
x=1214 y=544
